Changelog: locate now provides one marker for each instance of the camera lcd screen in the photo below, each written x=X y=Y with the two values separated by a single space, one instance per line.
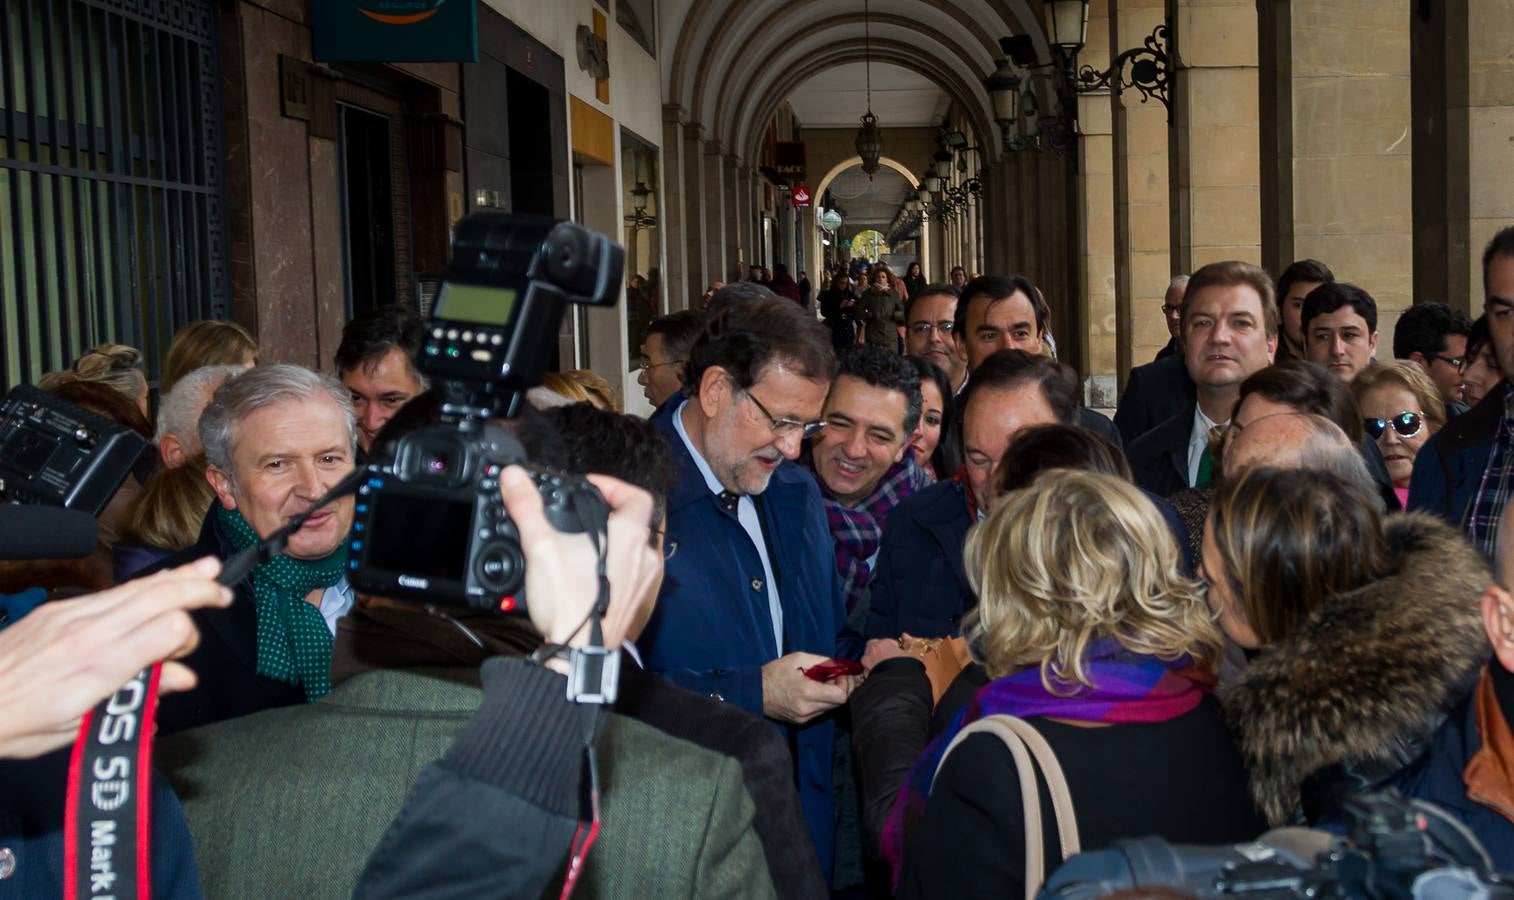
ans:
x=475 y=303
x=421 y=536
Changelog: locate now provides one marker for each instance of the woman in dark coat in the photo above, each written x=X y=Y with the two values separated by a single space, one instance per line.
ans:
x=1364 y=632
x=914 y=281
x=838 y=309
x=1092 y=634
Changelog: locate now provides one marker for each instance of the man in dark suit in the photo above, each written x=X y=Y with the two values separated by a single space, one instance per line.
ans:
x=752 y=597
x=920 y=587
x=1002 y=312
x=1158 y=390
x=1230 y=326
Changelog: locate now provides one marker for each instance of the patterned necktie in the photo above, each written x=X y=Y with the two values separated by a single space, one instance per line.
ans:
x=1206 y=460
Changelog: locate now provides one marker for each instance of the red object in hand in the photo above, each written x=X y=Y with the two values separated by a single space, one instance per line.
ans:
x=832 y=669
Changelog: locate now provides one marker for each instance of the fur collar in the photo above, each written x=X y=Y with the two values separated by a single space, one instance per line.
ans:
x=1370 y=670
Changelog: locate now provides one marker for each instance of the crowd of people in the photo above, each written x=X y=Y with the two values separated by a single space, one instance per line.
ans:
x=853 y=531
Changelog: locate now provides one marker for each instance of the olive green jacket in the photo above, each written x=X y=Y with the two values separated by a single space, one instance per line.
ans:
x=290 y=802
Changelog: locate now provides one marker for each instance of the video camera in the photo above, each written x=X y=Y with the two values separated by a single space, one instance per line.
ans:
x=1395 y=848
x=428 y=523
x=55 y=453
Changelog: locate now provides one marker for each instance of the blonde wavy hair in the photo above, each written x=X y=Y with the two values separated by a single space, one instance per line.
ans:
x=1076 y=557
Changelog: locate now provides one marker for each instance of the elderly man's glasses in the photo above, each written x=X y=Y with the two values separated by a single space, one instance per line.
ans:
x=1406 y=423
x=647 y=366
x=785 y=427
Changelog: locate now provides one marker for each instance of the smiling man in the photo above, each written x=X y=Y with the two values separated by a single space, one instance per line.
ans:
x=276 y=439
x=752 y=598
x=1230 y=330
x=859 y=457
x=1340 y=328
x=928 y=331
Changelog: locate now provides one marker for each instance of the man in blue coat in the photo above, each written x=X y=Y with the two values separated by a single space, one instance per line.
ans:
x=1465 y=473
x=751 y=597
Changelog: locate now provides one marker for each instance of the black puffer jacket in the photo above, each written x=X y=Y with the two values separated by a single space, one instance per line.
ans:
x=1353 y=695
x=892 y=721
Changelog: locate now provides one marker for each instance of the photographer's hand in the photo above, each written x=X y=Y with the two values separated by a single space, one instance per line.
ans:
x=561 y=569
x=66 y=656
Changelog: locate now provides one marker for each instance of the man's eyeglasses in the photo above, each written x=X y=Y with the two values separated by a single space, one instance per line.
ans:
x=1454 y=361
x=1171 y=311
x=924 y=328
x=785 y=427
x=646 y=366
x=1406 y=423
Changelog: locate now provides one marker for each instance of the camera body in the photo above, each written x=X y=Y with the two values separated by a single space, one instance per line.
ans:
x=428 y=521
x=56 y=453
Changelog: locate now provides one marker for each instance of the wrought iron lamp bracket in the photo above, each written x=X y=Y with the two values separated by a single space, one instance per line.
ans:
x=1147 y=69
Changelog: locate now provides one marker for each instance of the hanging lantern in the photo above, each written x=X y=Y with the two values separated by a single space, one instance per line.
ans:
x=869 y=143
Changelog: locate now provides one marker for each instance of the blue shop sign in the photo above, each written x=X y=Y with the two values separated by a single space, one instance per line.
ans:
x=395 y=30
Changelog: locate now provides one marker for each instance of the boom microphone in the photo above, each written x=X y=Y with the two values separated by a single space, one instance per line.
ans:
x=30 y=532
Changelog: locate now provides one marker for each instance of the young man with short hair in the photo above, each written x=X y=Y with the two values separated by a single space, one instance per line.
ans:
x=1339 y=322
x=1434 y=336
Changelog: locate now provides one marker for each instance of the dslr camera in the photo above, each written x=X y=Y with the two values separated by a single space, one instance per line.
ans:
x=428 y=522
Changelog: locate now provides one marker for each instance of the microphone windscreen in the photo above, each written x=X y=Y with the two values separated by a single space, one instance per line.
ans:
x=45 y=532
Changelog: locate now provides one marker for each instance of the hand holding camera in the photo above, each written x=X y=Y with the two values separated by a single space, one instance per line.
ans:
x=562 y=567
x=65 y=657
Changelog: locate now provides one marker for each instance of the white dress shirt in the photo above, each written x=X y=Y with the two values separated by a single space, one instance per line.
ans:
x=1198 y=439
x=336 y=602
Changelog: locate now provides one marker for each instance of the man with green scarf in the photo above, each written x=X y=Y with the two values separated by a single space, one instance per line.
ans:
x=276 y=438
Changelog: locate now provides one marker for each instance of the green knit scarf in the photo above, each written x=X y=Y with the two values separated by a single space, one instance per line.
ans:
x=294 y=644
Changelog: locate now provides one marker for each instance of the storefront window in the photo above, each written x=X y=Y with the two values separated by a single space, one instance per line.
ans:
x=643 y=237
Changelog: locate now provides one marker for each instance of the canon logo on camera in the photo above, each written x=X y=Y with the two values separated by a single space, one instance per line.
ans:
x=410 y=581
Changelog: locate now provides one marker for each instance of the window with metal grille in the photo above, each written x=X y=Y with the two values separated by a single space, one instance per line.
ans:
x=112 y=206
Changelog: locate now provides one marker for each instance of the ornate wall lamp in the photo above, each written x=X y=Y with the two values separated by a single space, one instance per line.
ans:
x=1147 y=68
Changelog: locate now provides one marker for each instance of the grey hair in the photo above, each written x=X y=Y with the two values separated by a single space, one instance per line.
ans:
x=179 y=410
x=1180 y=281
x=1326 y=448
x=258 y=388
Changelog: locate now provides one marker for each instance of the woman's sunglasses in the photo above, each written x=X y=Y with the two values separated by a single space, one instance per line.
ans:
x=1406 y=423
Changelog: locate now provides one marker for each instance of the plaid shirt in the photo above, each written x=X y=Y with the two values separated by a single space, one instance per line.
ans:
x=858 y=530
x=1493 y=492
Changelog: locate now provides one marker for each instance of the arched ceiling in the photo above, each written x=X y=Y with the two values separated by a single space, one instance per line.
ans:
x=723 y=61
x=870 y=202
x=901 y=98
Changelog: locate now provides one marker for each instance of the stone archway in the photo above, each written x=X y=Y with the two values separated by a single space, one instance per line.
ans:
x=813 y=240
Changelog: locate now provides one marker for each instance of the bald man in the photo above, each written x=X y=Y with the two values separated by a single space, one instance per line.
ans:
x=1297 y=441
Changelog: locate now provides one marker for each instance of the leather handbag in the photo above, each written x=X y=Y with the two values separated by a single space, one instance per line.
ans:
x=1024 y=742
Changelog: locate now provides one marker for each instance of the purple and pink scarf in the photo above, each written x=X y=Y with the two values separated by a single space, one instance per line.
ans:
x=858 y=530
x=1128 y=689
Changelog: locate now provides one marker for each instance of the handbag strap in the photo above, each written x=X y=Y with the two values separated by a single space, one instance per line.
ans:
x=1023 y=742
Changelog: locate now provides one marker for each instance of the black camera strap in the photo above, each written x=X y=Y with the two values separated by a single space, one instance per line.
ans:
x=107 y=834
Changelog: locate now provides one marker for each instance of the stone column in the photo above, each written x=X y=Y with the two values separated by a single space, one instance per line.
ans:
x=1215 y=172
x=1143 y=259
x=1337 y=166
x=694 y=210
x=1463 y=103
x=671 y=215
x=732 y=216
x=715 y=219
x=1095 y=225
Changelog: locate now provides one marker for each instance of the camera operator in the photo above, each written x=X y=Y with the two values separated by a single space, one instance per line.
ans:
x=324 y=781
x=57 y=663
